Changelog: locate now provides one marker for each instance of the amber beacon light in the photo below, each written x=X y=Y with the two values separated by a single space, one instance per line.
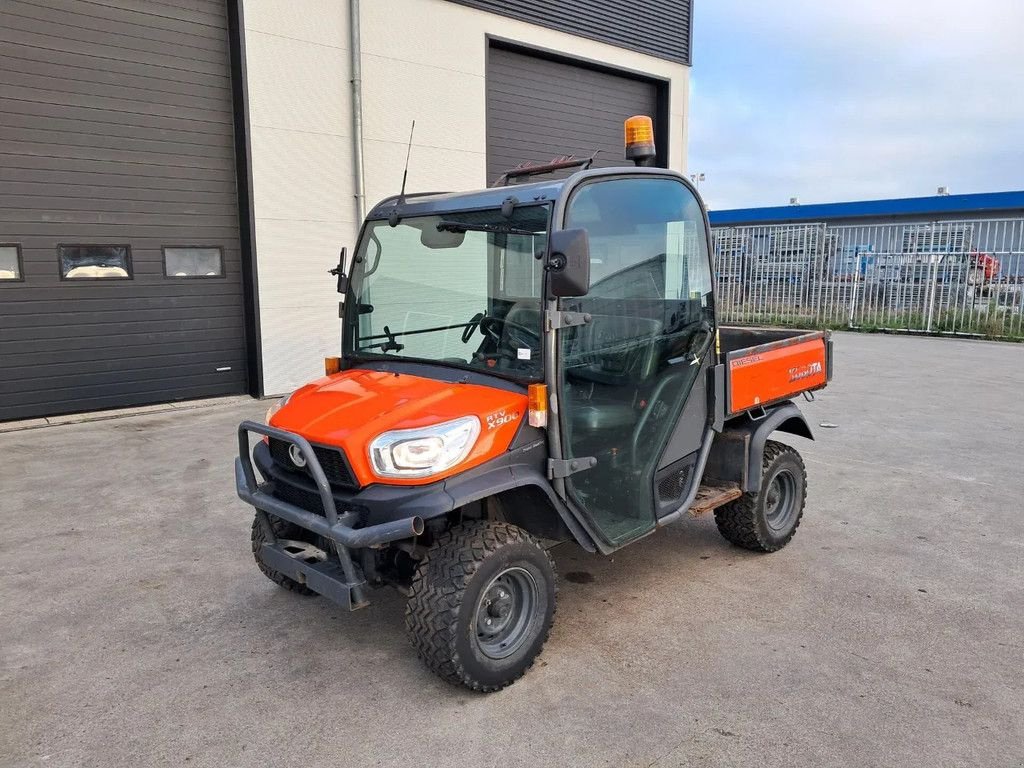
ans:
x=640 y=139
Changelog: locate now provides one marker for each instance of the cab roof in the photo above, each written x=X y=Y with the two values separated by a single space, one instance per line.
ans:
x=430 y=203
x=434 y=203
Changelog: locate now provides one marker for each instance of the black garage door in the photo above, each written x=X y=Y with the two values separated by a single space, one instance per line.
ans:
x=120 y=265
x=540 y=108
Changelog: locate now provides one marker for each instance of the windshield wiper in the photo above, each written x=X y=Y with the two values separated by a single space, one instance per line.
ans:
x=392 y=345
x=388 y=346
x=501 y=229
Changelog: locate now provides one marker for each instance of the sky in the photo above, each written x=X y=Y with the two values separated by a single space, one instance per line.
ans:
x=830 y=100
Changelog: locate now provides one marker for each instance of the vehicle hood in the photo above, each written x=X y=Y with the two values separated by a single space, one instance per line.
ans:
x=348 y=410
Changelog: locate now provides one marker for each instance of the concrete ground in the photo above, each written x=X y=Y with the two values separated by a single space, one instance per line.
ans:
x=136 y=630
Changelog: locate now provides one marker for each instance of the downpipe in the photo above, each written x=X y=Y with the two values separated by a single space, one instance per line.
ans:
x=355 y=55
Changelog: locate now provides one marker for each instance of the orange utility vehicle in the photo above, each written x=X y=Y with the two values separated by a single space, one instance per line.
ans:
x=521 y=366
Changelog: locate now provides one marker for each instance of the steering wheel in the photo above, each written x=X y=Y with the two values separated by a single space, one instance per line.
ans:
x=491 y=328
x=471 y=326
x=506 y=333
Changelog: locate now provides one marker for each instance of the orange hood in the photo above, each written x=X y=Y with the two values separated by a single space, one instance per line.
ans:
x=349 y=409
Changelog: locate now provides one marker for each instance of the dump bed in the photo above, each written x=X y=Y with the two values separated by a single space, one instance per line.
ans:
x=768 y=365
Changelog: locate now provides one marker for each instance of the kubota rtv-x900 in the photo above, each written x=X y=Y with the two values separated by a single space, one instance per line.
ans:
x=522 y=366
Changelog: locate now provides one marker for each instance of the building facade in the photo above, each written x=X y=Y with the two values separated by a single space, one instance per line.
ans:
x=176 y=178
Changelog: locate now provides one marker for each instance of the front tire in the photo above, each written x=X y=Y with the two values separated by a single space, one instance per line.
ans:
x=482 y=605
x=766 y=521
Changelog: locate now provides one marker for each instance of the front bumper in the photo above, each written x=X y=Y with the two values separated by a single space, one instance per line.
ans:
x=336 y=578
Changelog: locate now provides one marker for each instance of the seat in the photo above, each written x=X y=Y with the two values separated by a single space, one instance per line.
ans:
x=598 y=417
x=615 y=350
x=608 y=361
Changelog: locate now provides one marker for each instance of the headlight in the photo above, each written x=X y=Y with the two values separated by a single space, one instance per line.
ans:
x=276 y=407
x=426 y=451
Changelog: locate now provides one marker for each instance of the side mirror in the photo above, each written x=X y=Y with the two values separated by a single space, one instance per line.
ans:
x=339 y=271
x=568 y=262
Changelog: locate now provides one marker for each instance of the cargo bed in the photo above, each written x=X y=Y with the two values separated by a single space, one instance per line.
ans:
x=768 y=365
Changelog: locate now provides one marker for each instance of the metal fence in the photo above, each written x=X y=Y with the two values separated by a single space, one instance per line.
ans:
x=950 y=277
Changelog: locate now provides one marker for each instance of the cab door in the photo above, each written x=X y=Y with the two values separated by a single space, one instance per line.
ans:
x=625 y=376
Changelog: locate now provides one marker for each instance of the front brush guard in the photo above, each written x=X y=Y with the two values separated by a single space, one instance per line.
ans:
x=338 y=580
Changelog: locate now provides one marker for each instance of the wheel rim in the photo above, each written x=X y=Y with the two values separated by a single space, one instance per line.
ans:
x=780 y=501
x=504 y=612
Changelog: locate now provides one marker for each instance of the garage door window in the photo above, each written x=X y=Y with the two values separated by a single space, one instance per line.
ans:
x=95 y=262
x=10 y=263
x=193 y=261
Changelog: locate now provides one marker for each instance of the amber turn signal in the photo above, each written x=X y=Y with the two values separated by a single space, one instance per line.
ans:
x=332 y=365
x=538 y=399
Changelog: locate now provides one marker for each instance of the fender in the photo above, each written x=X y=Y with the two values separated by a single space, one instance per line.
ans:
x=739 y=450
x=381 y=503
x=508 y=474
x=785 y=418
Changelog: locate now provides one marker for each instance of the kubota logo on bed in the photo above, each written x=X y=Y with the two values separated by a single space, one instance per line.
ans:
x=804 y=371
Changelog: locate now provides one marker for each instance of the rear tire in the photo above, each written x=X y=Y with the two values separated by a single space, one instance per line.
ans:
x=766 y=521
x=279 y=529
x=482 y=605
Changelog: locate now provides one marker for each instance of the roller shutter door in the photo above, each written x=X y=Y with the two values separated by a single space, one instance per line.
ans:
x=539 y=109
x=116 y=142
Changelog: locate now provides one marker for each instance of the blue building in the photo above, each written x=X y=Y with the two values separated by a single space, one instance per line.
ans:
x=985 y=205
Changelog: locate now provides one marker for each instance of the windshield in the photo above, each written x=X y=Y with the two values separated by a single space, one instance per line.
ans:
x=460 y=288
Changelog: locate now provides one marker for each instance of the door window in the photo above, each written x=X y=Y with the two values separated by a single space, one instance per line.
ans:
x=95 y=262
x=193 y=262
x=626 y=374
x=10 y=262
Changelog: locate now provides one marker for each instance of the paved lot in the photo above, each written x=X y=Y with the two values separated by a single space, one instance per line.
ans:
x=136 y=631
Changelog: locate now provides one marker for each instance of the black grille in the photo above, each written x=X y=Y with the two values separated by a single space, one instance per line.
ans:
x=672 y=486
x=332 y=460
x=299 y=497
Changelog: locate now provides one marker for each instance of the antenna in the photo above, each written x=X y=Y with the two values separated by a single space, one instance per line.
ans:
x=408 y=152
x=394 y=218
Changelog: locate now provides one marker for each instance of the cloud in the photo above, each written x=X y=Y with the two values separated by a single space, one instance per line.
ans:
x=841 y=101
